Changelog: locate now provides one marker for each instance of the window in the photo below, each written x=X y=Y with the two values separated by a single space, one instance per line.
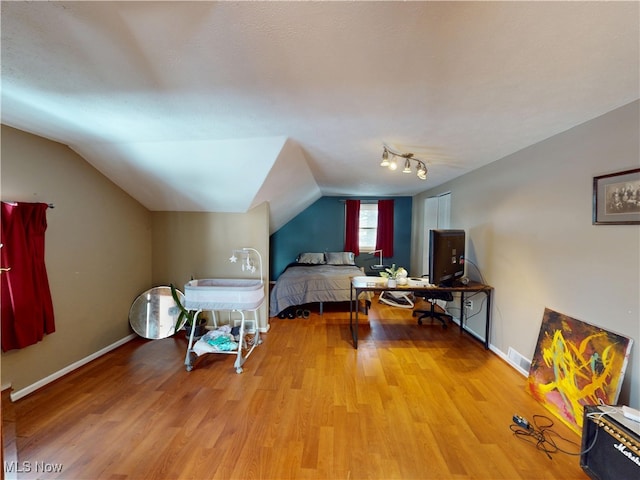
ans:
x=368 y=228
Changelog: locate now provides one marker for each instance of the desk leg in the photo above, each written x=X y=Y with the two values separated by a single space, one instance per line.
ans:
x=462 y=311
x=354 y=331
x=487 y=320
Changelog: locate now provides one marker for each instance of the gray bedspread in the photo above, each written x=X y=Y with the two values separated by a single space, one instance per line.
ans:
x=300 y=284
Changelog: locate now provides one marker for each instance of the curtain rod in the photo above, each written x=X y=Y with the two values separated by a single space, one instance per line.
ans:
x=49 y=205
x=344 y=200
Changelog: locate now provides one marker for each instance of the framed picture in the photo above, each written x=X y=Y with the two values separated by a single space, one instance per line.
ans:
x=616 y=198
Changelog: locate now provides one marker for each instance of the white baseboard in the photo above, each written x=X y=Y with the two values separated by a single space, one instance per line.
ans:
x=60 y=373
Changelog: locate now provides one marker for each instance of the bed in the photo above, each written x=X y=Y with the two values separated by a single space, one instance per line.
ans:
x=314 y=278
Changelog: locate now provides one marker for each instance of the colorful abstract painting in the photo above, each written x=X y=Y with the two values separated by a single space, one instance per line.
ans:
x=576 y=364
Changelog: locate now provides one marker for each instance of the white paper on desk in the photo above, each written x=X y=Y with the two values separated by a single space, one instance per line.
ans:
x=361 y=282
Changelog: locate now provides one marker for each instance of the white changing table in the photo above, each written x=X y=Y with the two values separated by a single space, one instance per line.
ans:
x=235 y=295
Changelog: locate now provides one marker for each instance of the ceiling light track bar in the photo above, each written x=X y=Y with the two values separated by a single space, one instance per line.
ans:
x=391 y=164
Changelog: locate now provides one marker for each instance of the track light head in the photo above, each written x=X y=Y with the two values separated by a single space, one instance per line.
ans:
x=422 y=171
x=385 y=158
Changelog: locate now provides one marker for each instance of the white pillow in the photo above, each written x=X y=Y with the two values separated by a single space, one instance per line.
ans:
x=340 y=258
x=311 y=258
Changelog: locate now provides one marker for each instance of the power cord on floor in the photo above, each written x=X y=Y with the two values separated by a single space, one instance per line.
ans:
x=539 y=433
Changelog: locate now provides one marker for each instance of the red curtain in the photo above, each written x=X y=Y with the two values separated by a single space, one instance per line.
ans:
x=27 y=308
x=352 y=227
x=384 y=239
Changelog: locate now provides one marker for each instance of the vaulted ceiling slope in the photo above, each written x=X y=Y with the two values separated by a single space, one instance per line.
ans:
x=217 y=106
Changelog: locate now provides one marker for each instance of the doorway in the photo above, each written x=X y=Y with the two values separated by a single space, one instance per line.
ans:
x=437 y=214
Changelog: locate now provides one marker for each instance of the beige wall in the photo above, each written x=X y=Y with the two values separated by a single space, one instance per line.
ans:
x=97 y=251
x=198 y=245
x=103 y=249
x=528 y=222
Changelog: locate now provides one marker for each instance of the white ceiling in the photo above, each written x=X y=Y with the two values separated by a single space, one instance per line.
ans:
x=218 y=106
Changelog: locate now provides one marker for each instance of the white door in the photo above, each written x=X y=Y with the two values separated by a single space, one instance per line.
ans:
x=437 y=214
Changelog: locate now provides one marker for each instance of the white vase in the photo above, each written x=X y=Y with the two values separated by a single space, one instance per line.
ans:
x=392 y=283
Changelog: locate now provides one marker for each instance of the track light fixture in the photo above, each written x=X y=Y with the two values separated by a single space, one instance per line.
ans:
x=391 y=164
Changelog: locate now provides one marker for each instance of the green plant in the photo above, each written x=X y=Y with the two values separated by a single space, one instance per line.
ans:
x=393 y=272
x=186 y=316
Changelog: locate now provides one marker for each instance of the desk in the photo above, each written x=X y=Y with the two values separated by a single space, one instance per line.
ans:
x=471 y=287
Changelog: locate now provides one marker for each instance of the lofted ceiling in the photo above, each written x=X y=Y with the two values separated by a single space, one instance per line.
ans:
x=219 y=106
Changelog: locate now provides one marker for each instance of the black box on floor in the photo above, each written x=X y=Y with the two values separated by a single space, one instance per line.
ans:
x=610 y=444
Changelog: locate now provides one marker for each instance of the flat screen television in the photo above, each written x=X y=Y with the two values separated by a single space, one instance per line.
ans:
x=446 y=257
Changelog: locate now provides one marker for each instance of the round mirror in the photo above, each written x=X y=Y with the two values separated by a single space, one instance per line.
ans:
x=154 y=313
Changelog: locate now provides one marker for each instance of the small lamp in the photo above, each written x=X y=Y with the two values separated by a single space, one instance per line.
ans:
x=380 y=265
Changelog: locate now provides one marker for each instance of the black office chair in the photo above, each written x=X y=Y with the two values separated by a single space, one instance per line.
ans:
x=433 y=296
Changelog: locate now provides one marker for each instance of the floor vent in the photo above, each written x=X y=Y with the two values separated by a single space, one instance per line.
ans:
x=522 y=364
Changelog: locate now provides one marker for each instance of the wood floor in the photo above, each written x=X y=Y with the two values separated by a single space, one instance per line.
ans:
x=412 y=402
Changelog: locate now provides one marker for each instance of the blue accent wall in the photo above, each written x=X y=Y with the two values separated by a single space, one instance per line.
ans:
x=320 y=228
